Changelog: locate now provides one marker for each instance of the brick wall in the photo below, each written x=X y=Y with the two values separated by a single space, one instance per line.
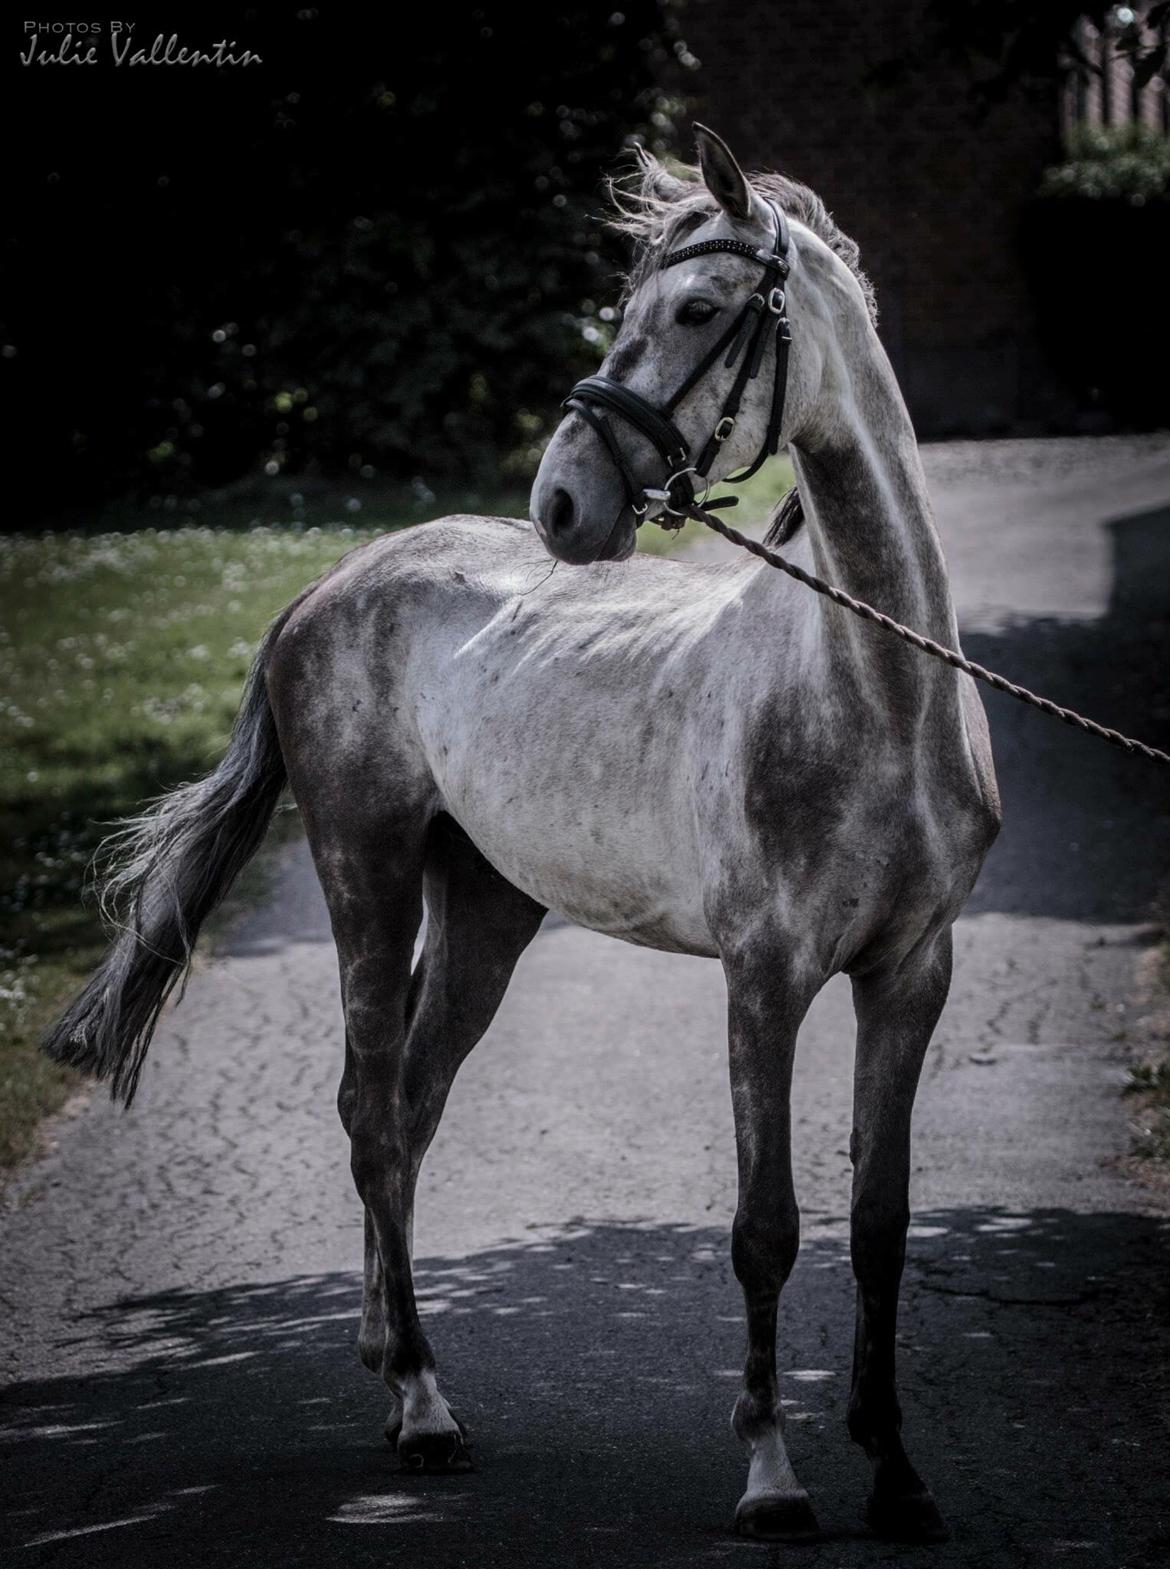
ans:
x=932 y=193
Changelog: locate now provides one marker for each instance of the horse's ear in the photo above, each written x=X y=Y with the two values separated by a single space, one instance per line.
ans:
x=666 y=186
x=722 y=175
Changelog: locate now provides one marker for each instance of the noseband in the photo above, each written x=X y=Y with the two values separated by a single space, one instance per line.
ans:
x=744 y=341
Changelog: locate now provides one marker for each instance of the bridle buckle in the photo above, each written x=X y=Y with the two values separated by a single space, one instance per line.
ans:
x=777 y=301
x=724 y=428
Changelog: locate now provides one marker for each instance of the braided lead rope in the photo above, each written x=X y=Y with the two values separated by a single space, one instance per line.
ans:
x=925 y=644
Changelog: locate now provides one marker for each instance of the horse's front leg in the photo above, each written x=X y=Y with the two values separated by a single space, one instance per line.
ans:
x=766 y=1003
x=897 y=1010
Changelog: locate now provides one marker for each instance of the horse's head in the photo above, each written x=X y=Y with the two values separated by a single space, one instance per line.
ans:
x=709 y=325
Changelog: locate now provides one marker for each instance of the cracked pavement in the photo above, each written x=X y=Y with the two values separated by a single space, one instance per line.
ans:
x=180 y=1284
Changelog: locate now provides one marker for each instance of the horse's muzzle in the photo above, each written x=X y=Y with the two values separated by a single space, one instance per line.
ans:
x=570 y=538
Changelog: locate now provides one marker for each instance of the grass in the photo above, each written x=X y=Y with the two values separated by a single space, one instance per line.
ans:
x=757 y=497
x=122 y=655
x=1148 y=1081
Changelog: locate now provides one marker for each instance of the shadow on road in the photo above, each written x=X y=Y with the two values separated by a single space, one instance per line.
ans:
x=596 y=1368
x=1087 y=828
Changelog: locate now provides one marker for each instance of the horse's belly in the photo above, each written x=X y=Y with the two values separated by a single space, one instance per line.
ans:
x=625 y=878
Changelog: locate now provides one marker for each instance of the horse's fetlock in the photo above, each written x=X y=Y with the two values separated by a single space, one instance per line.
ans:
x=411 y=1357
x=858 y=1424
x=754 y=1415
x=874 y=1421
x=371 y=1350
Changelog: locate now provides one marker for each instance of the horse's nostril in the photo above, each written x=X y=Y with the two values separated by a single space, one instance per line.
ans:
x=560 y=512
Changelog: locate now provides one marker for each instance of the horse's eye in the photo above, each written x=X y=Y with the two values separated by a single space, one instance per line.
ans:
x=693 y=313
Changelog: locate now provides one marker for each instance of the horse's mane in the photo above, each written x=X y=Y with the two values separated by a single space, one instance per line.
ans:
x=655 y=207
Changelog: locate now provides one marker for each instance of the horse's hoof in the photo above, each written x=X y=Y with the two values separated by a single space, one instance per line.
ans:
x=910 y=1517
x=777 y=1517
x=434 y=1454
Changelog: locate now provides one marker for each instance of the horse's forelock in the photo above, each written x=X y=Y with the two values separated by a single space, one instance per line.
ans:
x=654 y=204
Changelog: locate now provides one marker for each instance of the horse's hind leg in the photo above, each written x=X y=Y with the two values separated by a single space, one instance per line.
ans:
x=478 y=924
x=897 y=1011
x=767 y=1001
x=370 y=863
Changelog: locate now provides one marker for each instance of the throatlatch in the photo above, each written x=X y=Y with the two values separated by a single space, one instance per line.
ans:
x=744 y=342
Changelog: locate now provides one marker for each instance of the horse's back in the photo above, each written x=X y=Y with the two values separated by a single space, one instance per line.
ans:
x=443 y=581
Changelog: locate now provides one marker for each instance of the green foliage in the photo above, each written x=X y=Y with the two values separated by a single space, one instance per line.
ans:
x=429 y=327
x=1129 y=163
x=388 y=262
x=1149 y=1078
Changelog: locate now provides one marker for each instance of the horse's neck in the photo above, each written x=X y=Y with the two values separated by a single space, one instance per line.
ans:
x=868 y=511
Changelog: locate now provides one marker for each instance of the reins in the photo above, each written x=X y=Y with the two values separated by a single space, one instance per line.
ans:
x=926 y=645
x=743 y=345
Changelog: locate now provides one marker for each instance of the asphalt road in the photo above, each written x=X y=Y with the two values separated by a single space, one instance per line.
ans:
x=180 y=1284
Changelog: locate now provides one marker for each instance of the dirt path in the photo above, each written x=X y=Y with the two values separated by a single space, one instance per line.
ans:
x=179 y=1284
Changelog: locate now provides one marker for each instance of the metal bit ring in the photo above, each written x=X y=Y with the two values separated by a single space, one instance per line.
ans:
x=700 y=501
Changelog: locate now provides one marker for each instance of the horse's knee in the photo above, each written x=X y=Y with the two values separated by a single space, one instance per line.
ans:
x=764 y=1247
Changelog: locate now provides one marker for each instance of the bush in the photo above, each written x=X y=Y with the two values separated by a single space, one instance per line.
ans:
x=1128 y=163
x=377 y=256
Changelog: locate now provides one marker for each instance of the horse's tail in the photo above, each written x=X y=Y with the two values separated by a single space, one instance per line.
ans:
x=164 y=872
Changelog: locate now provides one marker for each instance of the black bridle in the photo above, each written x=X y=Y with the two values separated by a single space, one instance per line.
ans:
x=745 y=340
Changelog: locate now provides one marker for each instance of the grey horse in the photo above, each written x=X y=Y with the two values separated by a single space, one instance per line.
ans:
x=700 y=758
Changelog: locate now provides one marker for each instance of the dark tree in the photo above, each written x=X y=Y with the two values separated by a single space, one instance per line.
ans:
x=377 y=251
x=1014 y=44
